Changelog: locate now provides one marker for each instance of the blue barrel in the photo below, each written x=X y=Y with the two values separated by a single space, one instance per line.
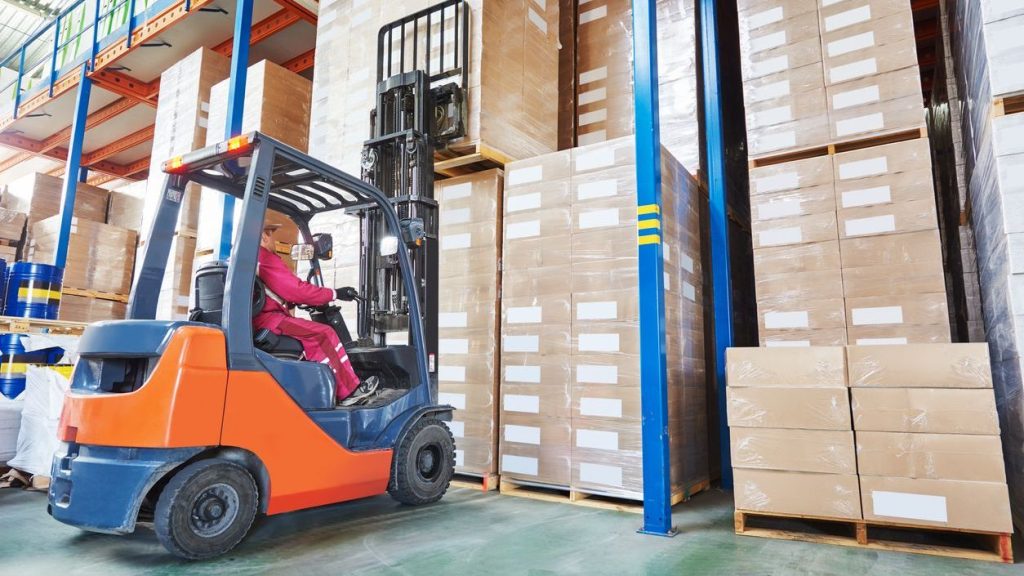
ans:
x=33 y=290
x=3 y=282
x=14 y=363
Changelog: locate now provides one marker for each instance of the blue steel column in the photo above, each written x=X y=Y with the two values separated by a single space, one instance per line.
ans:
x=719 y=219
x=236 y=102
x=72 y=168
x=653 y=379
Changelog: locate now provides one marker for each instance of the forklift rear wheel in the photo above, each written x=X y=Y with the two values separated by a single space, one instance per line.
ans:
x=206 y=509
x=424 y=463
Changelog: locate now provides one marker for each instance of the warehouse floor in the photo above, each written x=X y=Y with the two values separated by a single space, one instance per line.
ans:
x=468 y=533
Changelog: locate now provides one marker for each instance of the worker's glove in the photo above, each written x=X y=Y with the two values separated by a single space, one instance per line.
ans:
x=346 y=294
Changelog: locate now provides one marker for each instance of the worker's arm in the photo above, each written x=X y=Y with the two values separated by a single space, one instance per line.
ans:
x=276 y=275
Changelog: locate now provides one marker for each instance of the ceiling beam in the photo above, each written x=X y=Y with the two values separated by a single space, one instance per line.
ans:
x=120 y=145
x=126 y=86
x=262 y=30
x=98 y=117
x=303 y=12
x=14 y=160
x=300 y=63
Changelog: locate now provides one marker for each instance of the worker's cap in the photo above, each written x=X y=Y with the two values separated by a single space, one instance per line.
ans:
x=270 y=227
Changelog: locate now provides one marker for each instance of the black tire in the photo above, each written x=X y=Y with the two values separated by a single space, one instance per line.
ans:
x=206 y=509
x=424 y=463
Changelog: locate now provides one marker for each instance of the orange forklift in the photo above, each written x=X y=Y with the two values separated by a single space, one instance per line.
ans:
x=198 y=426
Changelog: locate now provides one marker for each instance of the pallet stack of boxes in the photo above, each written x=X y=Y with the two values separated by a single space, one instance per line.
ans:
x=845 y=233
x=12 y=234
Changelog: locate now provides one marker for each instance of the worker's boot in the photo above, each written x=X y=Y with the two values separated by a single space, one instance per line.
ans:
x=366 y=390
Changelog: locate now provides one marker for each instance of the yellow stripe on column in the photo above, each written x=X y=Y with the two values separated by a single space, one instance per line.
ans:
x=648 y=239
x=648 y=224
x=648 y=209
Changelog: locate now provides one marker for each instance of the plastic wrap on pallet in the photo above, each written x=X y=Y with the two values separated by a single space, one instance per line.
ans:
x=973 y=458
x=37 y=436
x=920 y=366
x=817 y=367
x=804 y=493
x=101 y=257
x=822 y=451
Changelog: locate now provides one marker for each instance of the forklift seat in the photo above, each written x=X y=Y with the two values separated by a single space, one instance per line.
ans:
x=278 y=345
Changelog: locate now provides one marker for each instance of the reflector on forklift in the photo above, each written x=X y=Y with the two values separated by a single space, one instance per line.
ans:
x=181 y=163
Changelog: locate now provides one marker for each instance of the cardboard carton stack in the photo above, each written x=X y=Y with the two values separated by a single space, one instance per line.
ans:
x=38 y=196
x=468 y=351
x=12 y=233
x=792 y=440
x=576 y=211
x=125 y=211
x=928 y=447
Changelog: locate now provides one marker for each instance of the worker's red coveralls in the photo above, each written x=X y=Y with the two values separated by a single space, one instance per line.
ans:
x=319 y=341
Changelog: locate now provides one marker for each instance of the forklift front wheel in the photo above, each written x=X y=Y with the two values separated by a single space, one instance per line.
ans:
x=424 y=463
x=206 y=509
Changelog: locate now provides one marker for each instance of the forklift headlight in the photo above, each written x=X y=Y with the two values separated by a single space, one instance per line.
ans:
x=388 y=246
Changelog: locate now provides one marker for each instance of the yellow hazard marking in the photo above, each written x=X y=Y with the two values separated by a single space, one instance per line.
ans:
x=13 y=368
x=648 y=224
x=649 y=239
x=648 y=209
x=38 y=294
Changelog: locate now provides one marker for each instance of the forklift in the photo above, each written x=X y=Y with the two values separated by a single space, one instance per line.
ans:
x=197 y=426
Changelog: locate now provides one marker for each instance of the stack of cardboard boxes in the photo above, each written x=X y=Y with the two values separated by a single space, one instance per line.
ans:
x=914 y=439
x=12 y=233
x=470 y=247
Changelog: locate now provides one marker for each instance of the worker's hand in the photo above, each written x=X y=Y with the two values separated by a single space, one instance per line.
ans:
x=346 y=294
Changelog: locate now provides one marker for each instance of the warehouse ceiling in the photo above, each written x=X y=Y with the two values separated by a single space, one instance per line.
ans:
x=19 y=19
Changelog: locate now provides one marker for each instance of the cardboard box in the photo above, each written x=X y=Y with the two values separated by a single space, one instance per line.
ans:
x=928 y=410
x=894 y=280
x=100 y=257
x=612 y=403
x=474 y=442
x=782 y=315
x=125 y=211
x=796 y=259
x=790 y=408
x=899 y=334
x=788 y=176
x=457 y=370
x=906 y=156
x=920 y=366
x=815 y=367
x=606 y=306
x=535 y=172
x=870 y=62
x=803 y=338
x=897 y=310
x=474 y=198
x=791 y=203
x=540 y=282
x=533 y=310
x=983 y=506
x=887 y=188
x=891 y=250
x=796 y=230
x=822 y=451
x=909 y=216
x=931 y=456
x=788 y=109
x=768 y=30
x=806 y=132
x=535 y=449
x=84 y=309
x=838 y=17
x=784 y=83
x=784 y=57
x=802 y=493
x=799 y=286
x=39 y=196
x=546 y=339
x=12 y=225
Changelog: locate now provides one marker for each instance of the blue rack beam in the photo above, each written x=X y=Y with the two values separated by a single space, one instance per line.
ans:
x=236 y=103
x=721 y=283
x=73 y=167
x=653 y=373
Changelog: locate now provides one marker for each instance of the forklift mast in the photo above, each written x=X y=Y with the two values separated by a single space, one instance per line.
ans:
x=421 y=80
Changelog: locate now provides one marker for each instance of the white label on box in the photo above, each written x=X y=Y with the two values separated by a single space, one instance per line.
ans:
x=452 y=319
x=787 y=343
x=770 y=91
x=851 y=44
x=451 y=373
x=457 y=191
x=456 y=241
x=771 y=116
x=769 y=66
x=453 y=346
x=686 y=262
x=825 y=3
x=906 y=505
x=522 y=343
x=538 y=20
x=599 y=218
x=596 y=374
x=780 y=209
x=776 y=183
x=594 y=137
x=601 y=407
x=767 y=42
x=863 y=168
x=458 y=428
x=460 y=458
x=873 y=225
x=459 y=216
x=779 y=320
x=523 y=374
x=591 y=15
x=666 y=281
x=594 y=75
x=856 y=97
x=598 y=439
x=523 y=314
x=588 y=118
x=518 y=176
x=522 y=434
x=597 y=310
x=780 y=236
x=786 y=139
x=603 y=157
x=860 y=124
x=521 y=403
x=599 y=189
x=877 y=315
x=519 y=464
x=765 y=18
x=457 y=401
x=598 y=342
x=203 y=121
x=542 y=4
x=867 y=196
x=601 y=474
x=666 y=252
x=848 y=18
x=880 y=341
x=850 y=71
x=527 y=229
x=519 y=202
x=689 y=291
x=591 y=96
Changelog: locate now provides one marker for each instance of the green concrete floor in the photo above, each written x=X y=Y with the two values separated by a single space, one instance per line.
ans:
x=467 y=533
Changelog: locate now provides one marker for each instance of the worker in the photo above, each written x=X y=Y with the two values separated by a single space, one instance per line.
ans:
x=319 y=341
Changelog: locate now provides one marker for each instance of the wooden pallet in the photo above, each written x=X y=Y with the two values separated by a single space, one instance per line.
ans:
x=877 y=535
x=839 y=147
x=484 y=483
x=95 y=294
x=593 y=499
x=465 y=159
x=38 y=326
x=1006 y=105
